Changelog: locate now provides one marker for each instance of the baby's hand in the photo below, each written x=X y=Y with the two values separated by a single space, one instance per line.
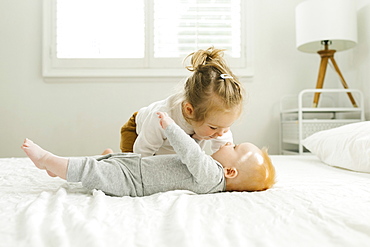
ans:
x=165 y=120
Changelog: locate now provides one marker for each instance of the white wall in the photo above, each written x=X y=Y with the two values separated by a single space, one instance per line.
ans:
x=85 y=118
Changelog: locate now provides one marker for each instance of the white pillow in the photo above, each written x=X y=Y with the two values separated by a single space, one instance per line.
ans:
x=347 y=146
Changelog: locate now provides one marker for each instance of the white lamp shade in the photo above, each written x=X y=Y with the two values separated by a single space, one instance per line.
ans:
x=333 y=20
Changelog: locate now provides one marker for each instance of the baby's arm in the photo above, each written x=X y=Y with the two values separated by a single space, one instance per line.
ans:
x=198 y=163
x=165 y=120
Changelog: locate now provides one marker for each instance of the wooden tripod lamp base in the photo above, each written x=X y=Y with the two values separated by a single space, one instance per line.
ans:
x=327 y=55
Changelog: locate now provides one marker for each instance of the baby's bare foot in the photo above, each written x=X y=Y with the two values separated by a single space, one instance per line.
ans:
x=35 y=153
x=54 y=165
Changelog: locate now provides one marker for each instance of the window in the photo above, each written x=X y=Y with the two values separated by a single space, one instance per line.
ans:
x=104 y=29
x=141 y=38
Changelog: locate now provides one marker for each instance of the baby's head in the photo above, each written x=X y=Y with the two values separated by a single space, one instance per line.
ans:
x=246 y=167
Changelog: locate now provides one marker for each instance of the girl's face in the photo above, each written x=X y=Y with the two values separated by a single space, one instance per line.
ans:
x=215 y=125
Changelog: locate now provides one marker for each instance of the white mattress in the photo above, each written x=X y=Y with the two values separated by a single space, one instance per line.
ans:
x=312 y=204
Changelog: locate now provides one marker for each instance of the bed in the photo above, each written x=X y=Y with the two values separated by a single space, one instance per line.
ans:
x=312 y=204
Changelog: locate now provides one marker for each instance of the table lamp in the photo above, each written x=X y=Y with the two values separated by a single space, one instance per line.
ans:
x=324 y=27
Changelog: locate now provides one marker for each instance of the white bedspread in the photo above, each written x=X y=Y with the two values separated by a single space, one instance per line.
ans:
x=312 y=204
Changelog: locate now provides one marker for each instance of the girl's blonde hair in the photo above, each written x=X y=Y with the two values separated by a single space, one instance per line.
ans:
x=212 y=86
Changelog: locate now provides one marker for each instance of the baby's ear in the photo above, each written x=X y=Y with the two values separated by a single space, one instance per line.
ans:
x=230 y=172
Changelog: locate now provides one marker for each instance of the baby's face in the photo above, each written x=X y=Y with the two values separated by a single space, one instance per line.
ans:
x=239 y=156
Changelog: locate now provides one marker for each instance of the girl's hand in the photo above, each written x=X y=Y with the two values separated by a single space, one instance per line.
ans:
x=164 y=119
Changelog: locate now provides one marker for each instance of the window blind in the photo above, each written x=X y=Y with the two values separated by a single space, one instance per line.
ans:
x=183 y=26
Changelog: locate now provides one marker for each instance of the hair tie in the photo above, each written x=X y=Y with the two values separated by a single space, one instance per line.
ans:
x=225 y=76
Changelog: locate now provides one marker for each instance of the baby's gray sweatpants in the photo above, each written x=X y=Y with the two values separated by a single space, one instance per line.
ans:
x=118 y=177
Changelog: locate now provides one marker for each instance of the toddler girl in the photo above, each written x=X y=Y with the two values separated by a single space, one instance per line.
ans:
x=209 y=104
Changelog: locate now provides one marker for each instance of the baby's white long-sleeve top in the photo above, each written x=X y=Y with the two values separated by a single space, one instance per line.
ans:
x=151 y=139
x=127 y=174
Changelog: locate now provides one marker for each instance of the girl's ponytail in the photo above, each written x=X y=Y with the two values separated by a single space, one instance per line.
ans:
x=211 y=81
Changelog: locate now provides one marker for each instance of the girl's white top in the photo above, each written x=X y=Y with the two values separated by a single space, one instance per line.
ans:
x=151 y=139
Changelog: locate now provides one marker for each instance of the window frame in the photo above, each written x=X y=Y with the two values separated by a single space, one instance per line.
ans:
x=54 y=68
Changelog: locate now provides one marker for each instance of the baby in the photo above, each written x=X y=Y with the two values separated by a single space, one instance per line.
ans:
x=242 y=167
